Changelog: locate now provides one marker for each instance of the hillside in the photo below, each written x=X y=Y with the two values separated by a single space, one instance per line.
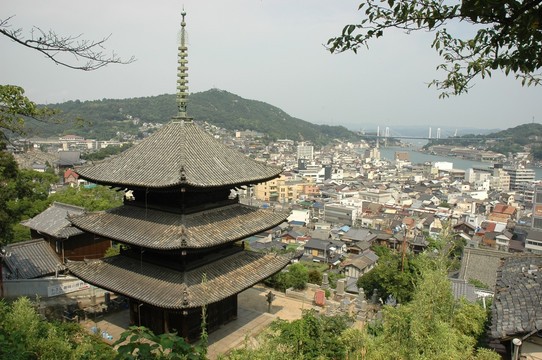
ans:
x=522 y=138
x=217 y=107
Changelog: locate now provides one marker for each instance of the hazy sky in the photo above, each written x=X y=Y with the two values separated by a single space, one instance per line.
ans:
x=267 y=50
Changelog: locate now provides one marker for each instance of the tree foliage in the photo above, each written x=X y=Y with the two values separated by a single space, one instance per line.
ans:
x=217 y=107
x=24 y=335
x=507 y=36
x=142 y=344
x=431 y=326
x=311 y=337
x=296 y=277
x=388 y=279
x=15 y=107
x=63 y=50
x=93 y=199
x=23 y=194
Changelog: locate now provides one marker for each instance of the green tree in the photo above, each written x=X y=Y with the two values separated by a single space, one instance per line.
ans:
x=24 y=335
x=508 y=36
x=141 y=343
x=432 y=326
x=93 y=199
x=23 y=194
x=297 y=276
x=15 y=107
x=388 y=278
x=536 y=153
x=311 y=337
x=315 y=277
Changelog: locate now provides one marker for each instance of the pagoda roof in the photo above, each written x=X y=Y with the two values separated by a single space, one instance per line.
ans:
x=173 y=289
x=180 y=154
x=161 y=230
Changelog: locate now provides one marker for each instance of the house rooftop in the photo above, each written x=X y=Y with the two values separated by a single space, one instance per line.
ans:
x=31 y=259
x=54 y=220
x=517 y=305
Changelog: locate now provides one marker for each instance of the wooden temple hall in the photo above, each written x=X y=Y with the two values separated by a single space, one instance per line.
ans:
x=182 y=232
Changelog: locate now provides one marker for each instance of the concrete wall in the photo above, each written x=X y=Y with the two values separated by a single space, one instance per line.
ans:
x=42 y=287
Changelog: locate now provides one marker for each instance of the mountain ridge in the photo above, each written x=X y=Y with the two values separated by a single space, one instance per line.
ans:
x=108 y=117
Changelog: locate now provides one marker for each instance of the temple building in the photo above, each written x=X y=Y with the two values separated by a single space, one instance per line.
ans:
x=182 y=230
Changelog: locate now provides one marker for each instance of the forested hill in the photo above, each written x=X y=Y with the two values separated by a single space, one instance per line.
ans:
x=521 y=138
x=520 y=134
x=217 y=107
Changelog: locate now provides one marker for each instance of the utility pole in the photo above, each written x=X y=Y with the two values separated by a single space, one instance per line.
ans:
x=405 y=228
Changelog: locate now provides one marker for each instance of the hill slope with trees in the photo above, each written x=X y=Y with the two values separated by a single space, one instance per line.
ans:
x=522 y=138
x=104 y=118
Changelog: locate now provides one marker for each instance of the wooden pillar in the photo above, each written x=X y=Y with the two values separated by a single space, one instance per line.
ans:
x=166 y=322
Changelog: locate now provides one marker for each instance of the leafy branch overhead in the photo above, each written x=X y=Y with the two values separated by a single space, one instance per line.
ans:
x=15 y=107
x=55 y=47
x=507 y=36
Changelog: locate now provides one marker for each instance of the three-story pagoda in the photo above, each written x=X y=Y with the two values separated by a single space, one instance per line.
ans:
x=182 y=227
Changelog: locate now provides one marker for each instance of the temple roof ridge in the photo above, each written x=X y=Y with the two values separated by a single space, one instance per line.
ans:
x=180 y=154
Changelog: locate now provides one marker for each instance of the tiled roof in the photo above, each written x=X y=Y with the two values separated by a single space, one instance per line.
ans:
x=358 y=234
x=362 y=261
x=179 y=154
x=54 y=220
x=69 y=158
x=166 y=288
x=31 y=259
x=461 y=288
x=167 y=231
x=481 y=264
x=517 y=305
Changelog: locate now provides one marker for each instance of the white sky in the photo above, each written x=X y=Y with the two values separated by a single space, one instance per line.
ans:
x=267 y=50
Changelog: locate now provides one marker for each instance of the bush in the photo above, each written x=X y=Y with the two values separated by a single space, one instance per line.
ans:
x=297 y=277
x=315 y=277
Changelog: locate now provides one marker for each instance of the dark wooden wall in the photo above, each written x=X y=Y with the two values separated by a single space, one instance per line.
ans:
x=186 y=323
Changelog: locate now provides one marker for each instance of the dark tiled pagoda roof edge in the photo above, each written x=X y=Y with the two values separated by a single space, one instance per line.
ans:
x=180 y=154
x=162 y=230
x=172 y=289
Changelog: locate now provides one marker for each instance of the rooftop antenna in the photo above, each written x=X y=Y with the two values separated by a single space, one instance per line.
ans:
x=182 y=75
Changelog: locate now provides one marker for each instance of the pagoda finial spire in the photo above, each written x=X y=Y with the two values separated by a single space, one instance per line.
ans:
x=182 y=75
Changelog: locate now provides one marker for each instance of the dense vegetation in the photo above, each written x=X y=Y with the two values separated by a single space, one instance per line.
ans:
x=431 y=326
x=107 y=117
x=25 y=194
x=24 y=335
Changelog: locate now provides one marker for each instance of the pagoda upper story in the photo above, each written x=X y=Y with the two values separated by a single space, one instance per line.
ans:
x=179 y=155
x=181 y=178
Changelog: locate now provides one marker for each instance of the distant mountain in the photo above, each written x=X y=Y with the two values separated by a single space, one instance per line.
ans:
x=218 y=107
x=521 y=138
x=520 y=133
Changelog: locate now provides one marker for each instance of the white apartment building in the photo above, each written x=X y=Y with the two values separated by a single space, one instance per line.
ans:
x=305 y=151
x=518 y=177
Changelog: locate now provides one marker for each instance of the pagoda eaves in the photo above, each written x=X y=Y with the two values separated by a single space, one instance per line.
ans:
x=180 y=154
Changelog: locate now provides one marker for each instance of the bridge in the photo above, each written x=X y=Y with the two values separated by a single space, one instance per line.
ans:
x=438 y=135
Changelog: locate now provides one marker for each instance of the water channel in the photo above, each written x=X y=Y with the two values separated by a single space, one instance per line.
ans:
x=417 y=157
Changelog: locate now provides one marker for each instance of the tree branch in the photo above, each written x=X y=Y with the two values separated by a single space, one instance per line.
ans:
x=53 y=46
